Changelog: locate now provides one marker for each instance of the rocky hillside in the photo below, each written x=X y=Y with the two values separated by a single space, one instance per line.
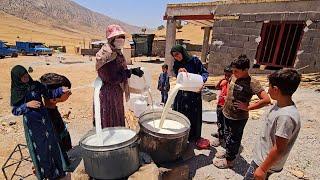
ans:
x=61 y=14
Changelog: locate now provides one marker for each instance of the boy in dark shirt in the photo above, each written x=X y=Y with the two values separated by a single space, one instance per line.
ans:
x=236 y=109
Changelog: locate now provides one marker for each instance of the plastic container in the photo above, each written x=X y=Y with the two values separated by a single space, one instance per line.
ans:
x=189 y=81
x=140 y=84
x=139 y=107
x=134 y=98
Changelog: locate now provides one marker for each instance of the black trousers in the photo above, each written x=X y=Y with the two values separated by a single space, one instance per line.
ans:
x=190 y=105
x=233 y=136
x=220 y=122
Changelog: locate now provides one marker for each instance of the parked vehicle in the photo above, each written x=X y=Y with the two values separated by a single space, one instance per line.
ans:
x=5 y=50
x=35 y=48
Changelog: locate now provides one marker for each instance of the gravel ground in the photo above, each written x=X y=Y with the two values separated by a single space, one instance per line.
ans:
x=303 y=161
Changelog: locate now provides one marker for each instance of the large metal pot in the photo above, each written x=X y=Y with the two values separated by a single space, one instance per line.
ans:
x=163 y=147
x=113 y=160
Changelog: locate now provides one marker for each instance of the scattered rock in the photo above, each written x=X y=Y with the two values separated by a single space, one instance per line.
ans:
x=30 y=69
x=297 y=173
x=66 y=116
x=3 y=123
x=12 y=122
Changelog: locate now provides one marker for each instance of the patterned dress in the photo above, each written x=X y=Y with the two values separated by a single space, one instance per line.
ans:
x=113 y=74
x=41 y=140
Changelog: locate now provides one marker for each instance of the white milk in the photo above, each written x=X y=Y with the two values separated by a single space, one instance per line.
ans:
x=170 y=100
x=110 y=137
x=169 y=126
x=97 y=86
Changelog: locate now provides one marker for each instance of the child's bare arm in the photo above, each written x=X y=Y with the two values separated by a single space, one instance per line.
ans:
x=264 y=100
x=274 y=155
x=218 y=84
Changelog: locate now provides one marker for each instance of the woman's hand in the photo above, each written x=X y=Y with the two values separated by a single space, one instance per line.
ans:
x=137 y=71
x=33 y=104
x=182 y=70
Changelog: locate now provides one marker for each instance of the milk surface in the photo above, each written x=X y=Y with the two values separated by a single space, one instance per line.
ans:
x=169 y=126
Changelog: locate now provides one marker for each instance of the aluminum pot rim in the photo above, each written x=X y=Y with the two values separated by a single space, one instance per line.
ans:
x=109 y=147
x=160 y=135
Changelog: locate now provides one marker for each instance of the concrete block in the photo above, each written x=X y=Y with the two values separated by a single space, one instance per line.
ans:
x=276 y=17
x=226 y=23
x=255 y=32
x=238 y=44
x=216 y=24
x=253 y=25
x=307 y=49
x=235 y=52
x=217 y=30
x=238 y=37
x=313 y=33
x=238 y=24
x=239 y=31
x=251 y=53
x=313 y=16
x=252 y=38
x=245 y=17
x=263 y=17
x=250 y=45
x=306 y=40
x=228 y=30
x=222 y=37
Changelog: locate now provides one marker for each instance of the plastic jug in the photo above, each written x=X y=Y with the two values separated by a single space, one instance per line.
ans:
x=139 y=107
x=140 y=84
x=134 y=98
x=190 y=81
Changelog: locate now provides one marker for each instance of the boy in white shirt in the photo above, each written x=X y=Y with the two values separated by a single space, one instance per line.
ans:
x=281 y=127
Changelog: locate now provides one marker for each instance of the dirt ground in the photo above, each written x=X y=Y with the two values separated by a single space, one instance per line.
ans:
x=303 y=161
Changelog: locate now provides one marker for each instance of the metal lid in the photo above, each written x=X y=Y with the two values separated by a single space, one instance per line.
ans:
x=113 y=138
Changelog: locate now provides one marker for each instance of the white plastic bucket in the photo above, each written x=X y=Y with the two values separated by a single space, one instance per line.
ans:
x=189 y=81
x=134 y=98
x=140 y=84
x=139 y=107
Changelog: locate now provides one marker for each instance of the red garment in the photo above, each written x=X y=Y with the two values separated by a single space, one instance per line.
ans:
x=224 y=89
x=111 y=94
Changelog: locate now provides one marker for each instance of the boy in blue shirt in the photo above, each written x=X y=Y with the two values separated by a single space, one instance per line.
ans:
x=164 y=84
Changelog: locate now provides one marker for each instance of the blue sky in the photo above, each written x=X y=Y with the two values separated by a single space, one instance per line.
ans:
x=147 y=13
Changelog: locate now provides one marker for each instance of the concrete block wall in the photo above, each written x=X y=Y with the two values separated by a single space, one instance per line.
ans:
x=310 y=49
x=239 y=37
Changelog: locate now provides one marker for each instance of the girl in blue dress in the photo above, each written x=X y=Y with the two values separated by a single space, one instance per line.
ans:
x=26 y=100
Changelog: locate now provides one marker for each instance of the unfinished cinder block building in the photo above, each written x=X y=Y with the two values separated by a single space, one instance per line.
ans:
x=273 y=34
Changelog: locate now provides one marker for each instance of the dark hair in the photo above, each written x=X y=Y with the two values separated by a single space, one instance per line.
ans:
x=165 y=66
x=242 y=62
x=287 y=80
x=53 y=80
x=227 y=69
